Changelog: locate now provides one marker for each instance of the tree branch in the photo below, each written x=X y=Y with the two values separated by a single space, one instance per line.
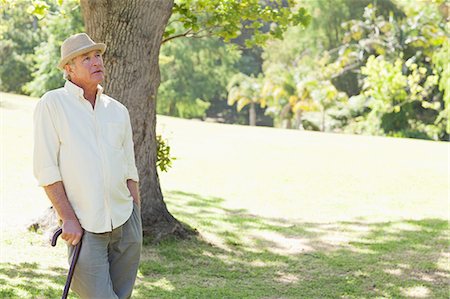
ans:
x=176 y=36
x=173 y=21
x=346 y=69
x=193 y=35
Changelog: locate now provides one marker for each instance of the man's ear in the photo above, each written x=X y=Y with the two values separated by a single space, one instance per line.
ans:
x=69 y=68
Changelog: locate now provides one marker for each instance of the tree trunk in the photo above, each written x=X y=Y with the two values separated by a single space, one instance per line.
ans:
x=286 y=116
x=323 y=120
x=252 y=114
x=132 y=31
x=298 y=120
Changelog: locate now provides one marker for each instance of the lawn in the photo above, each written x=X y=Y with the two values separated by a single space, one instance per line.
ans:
x=280 y=214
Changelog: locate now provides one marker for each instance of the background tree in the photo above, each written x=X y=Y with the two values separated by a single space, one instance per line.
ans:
x=245 y=90
x=19 y=35
x=194 y=74
x=442 y=67
x=400 y=85
x=65 y=21
x=413 y=34
x=280 y=91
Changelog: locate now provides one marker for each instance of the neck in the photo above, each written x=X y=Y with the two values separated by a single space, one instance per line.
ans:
x=90 y=90
x=90 y=94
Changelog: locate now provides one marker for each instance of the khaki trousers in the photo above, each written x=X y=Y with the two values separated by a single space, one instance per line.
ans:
x=108 y=262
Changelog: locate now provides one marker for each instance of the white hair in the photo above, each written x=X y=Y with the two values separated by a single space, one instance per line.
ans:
x=66 y=75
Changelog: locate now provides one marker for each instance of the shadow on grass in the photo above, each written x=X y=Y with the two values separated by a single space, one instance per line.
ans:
x=29 y=280
x=239 y=255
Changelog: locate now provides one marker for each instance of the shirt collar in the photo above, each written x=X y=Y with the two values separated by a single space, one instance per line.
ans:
x=78 y=91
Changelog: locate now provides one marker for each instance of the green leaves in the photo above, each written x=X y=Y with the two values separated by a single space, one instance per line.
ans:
x=442 y=67
x=163 y=158
x=395 y=91
x=301 y=17
x=229 y=19
x=55 y=27
x=244 y=90
x=194 y=74
x=38 y=8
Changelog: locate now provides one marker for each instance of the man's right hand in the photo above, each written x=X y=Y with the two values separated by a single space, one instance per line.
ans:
x=71 y=228
x=71 y=231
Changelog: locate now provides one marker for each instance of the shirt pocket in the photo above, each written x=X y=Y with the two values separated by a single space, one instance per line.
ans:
x=114 y=134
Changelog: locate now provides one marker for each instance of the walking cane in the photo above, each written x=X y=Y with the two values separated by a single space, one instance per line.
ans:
x=72 y=264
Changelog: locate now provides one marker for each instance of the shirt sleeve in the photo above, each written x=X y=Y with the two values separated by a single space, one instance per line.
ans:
x=46 y=146
x=132 y=173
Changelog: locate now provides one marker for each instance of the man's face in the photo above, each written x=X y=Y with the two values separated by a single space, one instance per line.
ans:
x=87 y=69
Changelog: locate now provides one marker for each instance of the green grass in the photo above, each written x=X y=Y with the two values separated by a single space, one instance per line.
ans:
x=281 y=214
x=256 y=257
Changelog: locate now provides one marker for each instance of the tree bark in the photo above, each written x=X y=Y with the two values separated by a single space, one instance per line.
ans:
x=133 y=31
x=323 y=120
x=298 y=120
x=252 y=114
x=286 y=117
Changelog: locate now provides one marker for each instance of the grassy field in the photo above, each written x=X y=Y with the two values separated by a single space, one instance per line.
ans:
x=280 y=214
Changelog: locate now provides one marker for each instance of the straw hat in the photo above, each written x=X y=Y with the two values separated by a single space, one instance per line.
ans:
x=76 y=45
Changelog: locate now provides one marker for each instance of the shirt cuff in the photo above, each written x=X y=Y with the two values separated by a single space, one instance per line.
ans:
x=48 y=176
x=133 y=175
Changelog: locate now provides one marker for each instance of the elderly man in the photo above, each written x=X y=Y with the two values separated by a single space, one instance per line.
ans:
x=84 y=159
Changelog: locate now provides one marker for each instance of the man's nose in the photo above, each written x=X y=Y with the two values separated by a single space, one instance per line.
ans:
x=97 y=61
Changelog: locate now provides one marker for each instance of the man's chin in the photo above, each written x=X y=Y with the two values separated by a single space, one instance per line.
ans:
x=98 y=77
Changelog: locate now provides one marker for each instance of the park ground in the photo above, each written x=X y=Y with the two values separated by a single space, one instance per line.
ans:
x=280 y=214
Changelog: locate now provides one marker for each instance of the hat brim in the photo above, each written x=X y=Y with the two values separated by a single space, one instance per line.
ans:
x=101 y=47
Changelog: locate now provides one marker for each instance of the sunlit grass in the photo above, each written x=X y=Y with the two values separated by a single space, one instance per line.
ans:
x=308 y=175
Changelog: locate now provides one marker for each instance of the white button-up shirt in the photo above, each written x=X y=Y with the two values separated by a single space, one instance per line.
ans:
x=90 y=150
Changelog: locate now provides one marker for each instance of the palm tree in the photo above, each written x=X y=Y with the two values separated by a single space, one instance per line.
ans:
x=246 y=90
x=287 y=98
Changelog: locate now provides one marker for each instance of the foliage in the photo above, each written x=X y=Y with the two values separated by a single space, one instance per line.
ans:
x=56 y=27
x=249 y=23
x=399 y=102
x=286 y=96
x=329 y=15
x=31 y=34
x=163 y=158
x=194 y=73
x=325 y=32
x=291 y=92
x=280 y=91
x=441 y=64
x=388 y=63
x=244 y=90
x=399 y=83
x=19 y=35
x=228 y=19
x=302 y=54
